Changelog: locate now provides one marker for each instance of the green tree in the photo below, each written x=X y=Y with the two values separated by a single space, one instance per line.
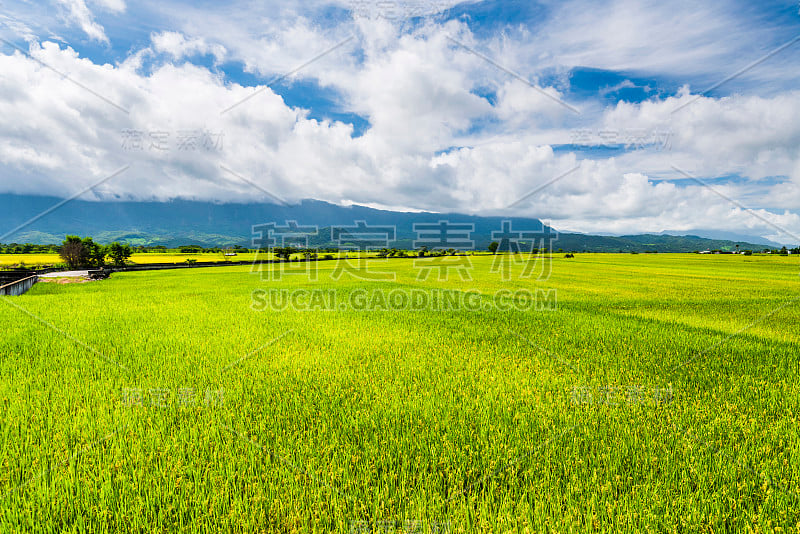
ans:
x=493 y=247
x=118 y=253
x=77 y=252
x=73 y=252
x=95 y=253
x=284 y=253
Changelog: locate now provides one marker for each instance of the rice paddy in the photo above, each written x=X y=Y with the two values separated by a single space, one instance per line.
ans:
x=32 y=260
x=144 y=258
x=659 y=393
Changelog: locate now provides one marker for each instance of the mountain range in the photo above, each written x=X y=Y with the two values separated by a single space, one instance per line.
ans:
x=33 y=219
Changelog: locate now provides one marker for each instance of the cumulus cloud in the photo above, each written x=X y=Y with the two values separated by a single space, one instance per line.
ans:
x=750 y=136
x=63 y=144
x=447 y=130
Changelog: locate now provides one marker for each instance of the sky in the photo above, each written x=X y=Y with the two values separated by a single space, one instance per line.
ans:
x=599 y=117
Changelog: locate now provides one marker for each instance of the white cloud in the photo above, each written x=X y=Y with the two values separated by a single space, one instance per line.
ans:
x=16 y=27
x=60 y=138
x=420 y=94
x=77 y=13
x=680 y=38
x=115 y=6
x=751 y=136
x=625 y=84
x=178 y=46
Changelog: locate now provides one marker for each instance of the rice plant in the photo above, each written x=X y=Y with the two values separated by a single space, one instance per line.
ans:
x=659 y=394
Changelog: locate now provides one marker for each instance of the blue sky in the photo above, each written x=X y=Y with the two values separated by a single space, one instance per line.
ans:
x=421 y=104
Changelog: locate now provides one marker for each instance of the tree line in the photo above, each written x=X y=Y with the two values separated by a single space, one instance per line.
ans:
x=27 y=248
x=84 y=252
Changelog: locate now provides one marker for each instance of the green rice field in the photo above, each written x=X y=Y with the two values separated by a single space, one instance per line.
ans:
x=142 y=258
x=608 y=393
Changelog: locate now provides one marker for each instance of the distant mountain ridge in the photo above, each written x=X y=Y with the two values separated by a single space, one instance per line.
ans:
x=187 y=222
x=724 y=236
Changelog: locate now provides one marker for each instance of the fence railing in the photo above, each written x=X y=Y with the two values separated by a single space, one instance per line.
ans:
x=19 y=287
x=24 y=283
x=12 y=275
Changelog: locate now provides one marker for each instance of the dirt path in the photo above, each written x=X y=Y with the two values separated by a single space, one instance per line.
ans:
x=65 y=274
